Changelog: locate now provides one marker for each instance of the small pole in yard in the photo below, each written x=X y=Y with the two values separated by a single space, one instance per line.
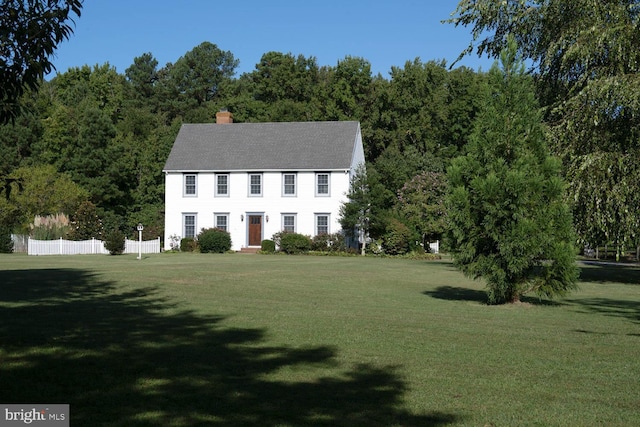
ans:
x=140 y=228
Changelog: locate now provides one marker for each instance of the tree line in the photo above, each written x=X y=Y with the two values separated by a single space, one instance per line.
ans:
x=91 y=134
x=94 y=141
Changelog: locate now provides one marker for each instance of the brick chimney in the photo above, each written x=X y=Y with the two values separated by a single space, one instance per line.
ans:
x=224 y=117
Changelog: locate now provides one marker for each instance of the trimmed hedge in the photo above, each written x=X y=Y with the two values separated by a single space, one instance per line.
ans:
x=214 y=240
x=294 y=243
x=268 y=246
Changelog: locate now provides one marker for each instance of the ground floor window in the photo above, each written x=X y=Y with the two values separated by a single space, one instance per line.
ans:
x=289 y=222
x=189 y=225
x=322 y=224
x=221 y=221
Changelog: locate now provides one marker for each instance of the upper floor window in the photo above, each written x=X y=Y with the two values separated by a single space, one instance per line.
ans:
x=255 y=184
x=190 y=185
x=288 y=184
x=222 y=184
x=322 y=184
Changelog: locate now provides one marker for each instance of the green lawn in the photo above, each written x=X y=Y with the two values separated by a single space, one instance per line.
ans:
x=191 y=339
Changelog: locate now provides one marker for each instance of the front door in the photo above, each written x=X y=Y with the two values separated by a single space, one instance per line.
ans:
x=255 y=230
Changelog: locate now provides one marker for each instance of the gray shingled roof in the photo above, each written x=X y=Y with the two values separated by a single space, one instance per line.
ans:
x=263 y=146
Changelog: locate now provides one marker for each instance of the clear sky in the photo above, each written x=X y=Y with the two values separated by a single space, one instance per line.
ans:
x=386 y=33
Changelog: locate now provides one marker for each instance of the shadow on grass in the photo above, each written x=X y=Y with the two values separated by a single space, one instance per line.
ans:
x=452 y=293
x=134 y=358
x=610 y=307
x=598 y=272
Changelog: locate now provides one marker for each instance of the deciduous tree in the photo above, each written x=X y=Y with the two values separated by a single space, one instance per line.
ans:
x=45 y=191
x=30 y=32
x=421 y=202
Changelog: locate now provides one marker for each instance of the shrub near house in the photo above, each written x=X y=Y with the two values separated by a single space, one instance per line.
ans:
x=294 y=243
x=214 y=240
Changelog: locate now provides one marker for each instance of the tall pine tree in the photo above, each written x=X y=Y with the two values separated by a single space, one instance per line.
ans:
x=509 y=223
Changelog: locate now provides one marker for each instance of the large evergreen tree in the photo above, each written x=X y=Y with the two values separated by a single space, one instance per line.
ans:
x=509 y=223
x=355 y=214
x=587 y=58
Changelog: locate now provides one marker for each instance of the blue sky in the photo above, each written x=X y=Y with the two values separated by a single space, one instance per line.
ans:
x=386 y=33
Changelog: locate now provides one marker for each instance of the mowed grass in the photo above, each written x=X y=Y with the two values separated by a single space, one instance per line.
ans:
x=195 y=339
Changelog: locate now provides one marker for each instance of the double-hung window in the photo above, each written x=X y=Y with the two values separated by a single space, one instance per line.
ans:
x=221 y=221
x=322 y=224
x=222 y=185
x=289 y=184
x=189 y=225
x=289 y=222
x=255 y=184
x=190 y=185
x=322 y=184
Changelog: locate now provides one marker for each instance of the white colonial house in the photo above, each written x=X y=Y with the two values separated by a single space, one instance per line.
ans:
x=255 y=179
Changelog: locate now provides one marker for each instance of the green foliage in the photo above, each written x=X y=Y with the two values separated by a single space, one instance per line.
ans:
x=31 y=32
x=287 y=87
x=6 y=244
x=398 y=238
x=110 y=133
x=587 y=58
x=421 y=202
x=355 y=212
x=142 y=75
x=85 y=223
x=188 y=244
x=268 y=246
x=324 y=242
x=44 y=191
x=115 y=242
x=508 y=220
x=214 y=240
x=294 y=243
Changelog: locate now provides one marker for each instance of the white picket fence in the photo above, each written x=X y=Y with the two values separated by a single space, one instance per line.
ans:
x=83 y=247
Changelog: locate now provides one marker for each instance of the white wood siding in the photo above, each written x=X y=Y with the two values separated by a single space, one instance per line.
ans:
x=272 y=203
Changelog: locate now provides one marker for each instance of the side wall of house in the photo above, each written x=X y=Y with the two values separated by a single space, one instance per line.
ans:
x=271 y=206
x=357 y=157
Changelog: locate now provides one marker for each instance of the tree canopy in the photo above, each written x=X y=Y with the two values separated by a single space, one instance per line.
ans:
x=586 y=59
x=111 y=132
x=30 y=32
